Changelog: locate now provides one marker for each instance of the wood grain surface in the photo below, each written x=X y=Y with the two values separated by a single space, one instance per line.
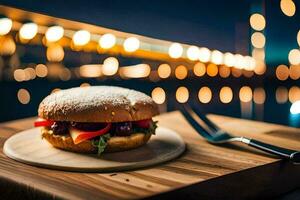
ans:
x=204 y=171
x=29 y=147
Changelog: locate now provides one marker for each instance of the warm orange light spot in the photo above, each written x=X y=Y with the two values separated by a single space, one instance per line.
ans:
x=294 y=94
x=282 y=95
x=226 y=94
x=7 y=45
x=41 y=70
x=295 y=72
x=259 y=96
x=224 y=71
x=158 y=95
x=55 y=53
x=205 y=95
x=258 y=54
x=288 y=7
x=85 y=85
x=55 y=90
x=236 y=72
x=23 y=96
x=182 y=94
x=181 y=72
x=282 y=72
x=247 y=73
x=212 y=70
x=199 y=69
x=260 y=67
x=245 y=94
x=258 y=40
x=164 y=71
x=257 y=21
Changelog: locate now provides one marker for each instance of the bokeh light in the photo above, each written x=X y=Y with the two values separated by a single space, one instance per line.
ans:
x=205 y=95
x=181 y=72
x=131 y=44
x=55 y=90
x=54 y=33
x=212 y=70
x=5 y=26
x=204 y=54
x=294 y=56
x=245 y=94
x=19 y=75
x=90 y=71
x=239 y=61
x=135 y=71
x=259 y=95
x=23 y=96
x=7 y=45
x=294 y=94
x=28 y=31
x=55 y=53
x=29 y=73
x=85 y=85
x=250 y=63
x=288 y=7
x=65 y=74
x=182 y=94
x=295 y=72
x=257 y=21
x=258 y=54
x=224 y=71
x=158 y=95
x=41 y=70
x=107 y=41
x=175 y=50
x=236 y=72
x=110 y=66
x=295 y=108
x=260 y=67
x=282 y=95
x=81 y=37
x=193 y=53
x=229 y=59
x=258 y=40
x=216 y=57
x=226 y=94
x=199 y=69
x=164 y=70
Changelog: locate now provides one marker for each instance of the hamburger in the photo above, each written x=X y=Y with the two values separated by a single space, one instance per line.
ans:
x=97 y=119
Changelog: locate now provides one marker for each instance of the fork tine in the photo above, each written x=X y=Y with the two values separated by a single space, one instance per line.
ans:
x=203 y=117
x=194 y=123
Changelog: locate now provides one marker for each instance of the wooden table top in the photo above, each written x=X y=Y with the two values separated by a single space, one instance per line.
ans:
x=205 y=170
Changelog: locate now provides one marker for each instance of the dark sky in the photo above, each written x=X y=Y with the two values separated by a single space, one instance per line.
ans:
x=216 y=24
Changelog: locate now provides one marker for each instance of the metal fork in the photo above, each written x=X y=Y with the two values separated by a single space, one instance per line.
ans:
x=213 y=134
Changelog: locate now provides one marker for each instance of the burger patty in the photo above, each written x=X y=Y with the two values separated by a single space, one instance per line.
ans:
x=117 y=129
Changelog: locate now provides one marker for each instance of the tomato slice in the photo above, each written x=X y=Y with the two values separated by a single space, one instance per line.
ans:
x=144 y=123
x=79 y=136
x=43 y=122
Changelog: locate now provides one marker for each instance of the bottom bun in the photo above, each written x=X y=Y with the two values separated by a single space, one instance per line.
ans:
x=114 y=144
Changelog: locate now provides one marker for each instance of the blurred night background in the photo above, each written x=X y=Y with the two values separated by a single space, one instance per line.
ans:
x=235 y=58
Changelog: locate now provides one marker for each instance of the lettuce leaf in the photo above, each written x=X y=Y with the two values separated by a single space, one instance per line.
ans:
x=101 y=143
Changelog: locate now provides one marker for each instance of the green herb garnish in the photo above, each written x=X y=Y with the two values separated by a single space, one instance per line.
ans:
x=101 y=143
